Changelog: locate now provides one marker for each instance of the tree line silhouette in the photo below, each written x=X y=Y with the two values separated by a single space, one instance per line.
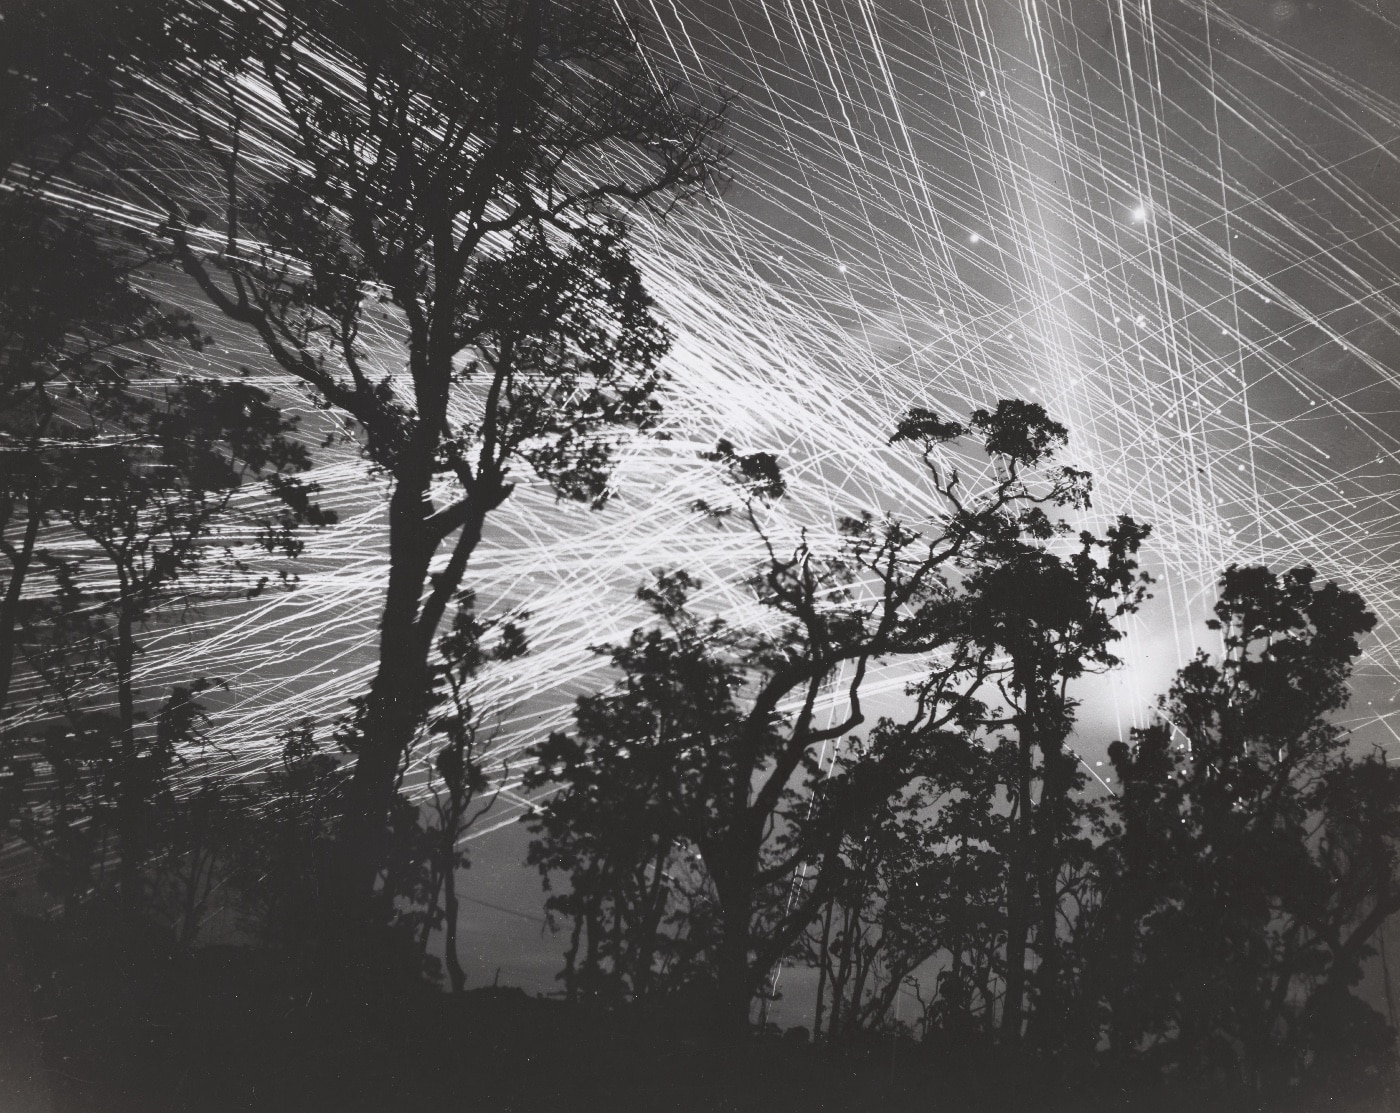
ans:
x=736 y=798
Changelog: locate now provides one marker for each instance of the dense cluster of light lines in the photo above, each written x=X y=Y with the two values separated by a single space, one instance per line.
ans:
x=1176 y=225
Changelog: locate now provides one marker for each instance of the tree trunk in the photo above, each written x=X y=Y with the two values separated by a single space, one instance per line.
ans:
x=841 y=972
x=571 y=961
x=592 y=967
x=10 y=604
x=456 y=975
x=735 y=988
x=1054 y=784
x=397 y=700
x=131 y=806
x=1018 y=903
x=735 y=978
x=393 y=712
x=823 y=965
x=857 y=1014
x=956 y=907
x=434 y=892
x=656 y=898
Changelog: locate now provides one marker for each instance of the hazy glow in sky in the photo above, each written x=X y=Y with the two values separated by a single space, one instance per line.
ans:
x=1177 y=225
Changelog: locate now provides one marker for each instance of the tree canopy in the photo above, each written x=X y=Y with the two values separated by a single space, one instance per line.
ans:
x=422 y=213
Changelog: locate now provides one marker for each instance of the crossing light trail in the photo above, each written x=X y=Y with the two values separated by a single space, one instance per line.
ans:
x=1175 y=224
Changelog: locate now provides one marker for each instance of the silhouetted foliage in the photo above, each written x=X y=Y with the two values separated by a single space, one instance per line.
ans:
x=137 y=512
x=458 y=777
x=420 y=209
x=1251 y=859
x=1054 y=618
x=882 y=919
x=448 y=190
x=709 y=756
x=283 y=857
x=123 y=488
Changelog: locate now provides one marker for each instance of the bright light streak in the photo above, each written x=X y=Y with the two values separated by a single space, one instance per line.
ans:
x=871 y=138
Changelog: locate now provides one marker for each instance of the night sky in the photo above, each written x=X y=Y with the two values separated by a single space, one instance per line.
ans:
x=1181 y=233
x=1175 y=224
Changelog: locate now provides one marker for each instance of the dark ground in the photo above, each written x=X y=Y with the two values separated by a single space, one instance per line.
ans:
x=128 y=1027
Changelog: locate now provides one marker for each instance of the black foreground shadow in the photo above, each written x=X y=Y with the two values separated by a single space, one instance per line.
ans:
x=132 y=1028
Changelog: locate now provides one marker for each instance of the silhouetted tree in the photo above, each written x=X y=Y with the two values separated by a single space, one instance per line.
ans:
x=287 y=838
x=431 y=237
x=618 y=829
x=70 y=321
x=881 y=921
x=138 y=513
x=71 y=316
x=1251 y=859
x=920 y=883
x=122 y=488
x=1055 y=618
x=735 y=778
x=458 y=777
